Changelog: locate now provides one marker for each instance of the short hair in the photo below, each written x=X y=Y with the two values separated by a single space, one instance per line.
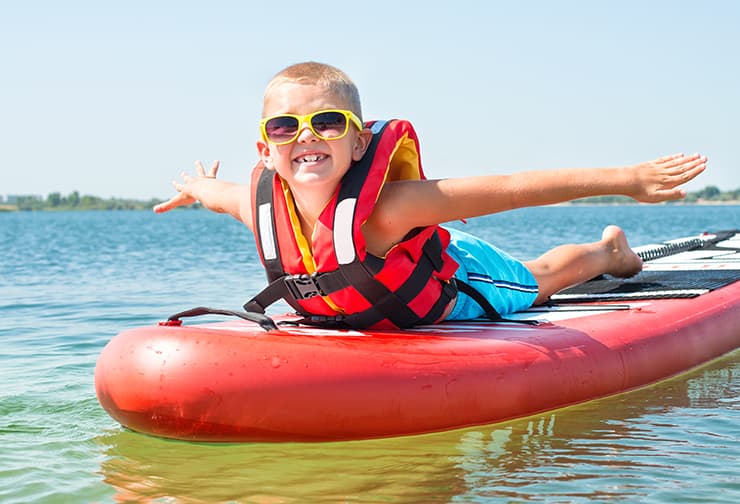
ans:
x=321 y=74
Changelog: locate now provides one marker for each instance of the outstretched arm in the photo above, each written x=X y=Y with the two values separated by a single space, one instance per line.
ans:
x=216 y=195
x=404 y=205
x=649 y=182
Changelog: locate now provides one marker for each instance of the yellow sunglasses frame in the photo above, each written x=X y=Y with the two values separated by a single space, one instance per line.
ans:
x=306 y=119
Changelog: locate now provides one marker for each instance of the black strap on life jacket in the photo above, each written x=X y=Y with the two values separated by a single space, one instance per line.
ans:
x=489 y=311
x=265 y=228
x=304 y=286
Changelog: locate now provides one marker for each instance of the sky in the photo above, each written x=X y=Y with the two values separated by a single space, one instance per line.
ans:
x=116 y=99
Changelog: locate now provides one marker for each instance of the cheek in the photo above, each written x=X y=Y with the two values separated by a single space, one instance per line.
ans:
x=343 y=156
x=278 y=159
x=280 y=153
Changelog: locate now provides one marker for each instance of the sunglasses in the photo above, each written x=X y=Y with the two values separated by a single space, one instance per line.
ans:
x=324 y=124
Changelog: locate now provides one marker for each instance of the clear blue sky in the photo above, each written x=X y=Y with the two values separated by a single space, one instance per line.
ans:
x=118 y=100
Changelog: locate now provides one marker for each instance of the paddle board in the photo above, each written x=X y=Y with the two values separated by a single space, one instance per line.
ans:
x=233 y=381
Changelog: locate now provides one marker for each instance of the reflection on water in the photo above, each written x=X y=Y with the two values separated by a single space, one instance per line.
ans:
x=622 y=447
x=629 y=447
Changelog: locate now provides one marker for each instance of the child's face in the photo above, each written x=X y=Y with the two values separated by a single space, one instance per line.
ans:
x=308 y=162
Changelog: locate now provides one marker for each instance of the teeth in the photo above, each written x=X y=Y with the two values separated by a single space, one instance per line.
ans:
x=310 y=158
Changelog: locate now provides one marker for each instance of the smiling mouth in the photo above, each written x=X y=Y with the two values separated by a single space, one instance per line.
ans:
x=311 y=158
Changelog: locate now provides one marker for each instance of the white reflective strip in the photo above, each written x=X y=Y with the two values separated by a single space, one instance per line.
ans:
x=344 y=243
x=266 y=235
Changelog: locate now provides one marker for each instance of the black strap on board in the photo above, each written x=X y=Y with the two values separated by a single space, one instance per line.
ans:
x=676 y=247
x=264 y=321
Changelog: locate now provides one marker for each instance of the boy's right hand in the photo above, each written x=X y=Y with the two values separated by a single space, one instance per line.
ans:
x=190 y=190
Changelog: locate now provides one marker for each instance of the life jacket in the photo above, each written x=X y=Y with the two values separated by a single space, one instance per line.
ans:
x=341 y=284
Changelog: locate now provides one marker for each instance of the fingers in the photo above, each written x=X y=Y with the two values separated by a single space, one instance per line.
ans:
x=692 y=172
x=688 y=168
x=670 y=194
x=678 y=160
x=667 y=159
x=665 y=175
x=201 y=171
x=179 y=199
x=184 y=189
x=214 y=168
x=677 y=169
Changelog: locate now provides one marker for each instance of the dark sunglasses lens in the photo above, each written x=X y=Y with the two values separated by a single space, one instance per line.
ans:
x=329 y=124
x=281 y=129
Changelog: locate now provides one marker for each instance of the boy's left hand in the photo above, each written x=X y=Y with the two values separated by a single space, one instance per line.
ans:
x=658 y=180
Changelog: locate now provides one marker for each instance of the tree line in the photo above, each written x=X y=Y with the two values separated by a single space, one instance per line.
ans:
x=710 y=194
x=73 y=201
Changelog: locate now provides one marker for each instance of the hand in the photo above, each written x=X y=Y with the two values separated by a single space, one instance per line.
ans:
x=187 y=191
x=658 y=180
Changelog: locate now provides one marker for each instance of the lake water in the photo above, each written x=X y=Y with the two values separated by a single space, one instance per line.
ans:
x=71 y=281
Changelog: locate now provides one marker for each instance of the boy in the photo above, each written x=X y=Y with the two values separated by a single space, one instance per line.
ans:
x=313 y=135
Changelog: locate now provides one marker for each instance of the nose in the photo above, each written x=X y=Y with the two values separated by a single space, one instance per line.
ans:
x=305 y=133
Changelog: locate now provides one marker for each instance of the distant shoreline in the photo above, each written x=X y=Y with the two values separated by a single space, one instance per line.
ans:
x=55 y=202
x=4 y=208
x=665 y=203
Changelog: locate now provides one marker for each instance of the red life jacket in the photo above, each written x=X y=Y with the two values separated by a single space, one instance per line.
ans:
x=341 y=283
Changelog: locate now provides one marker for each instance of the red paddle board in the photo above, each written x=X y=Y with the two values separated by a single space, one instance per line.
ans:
x=235 y=382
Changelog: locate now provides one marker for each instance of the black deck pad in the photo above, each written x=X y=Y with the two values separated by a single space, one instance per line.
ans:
x=649 y=284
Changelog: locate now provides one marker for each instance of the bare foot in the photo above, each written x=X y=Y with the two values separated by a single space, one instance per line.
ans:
x=623 y=262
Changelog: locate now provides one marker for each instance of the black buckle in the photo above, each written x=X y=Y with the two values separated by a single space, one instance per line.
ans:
x=303 y=286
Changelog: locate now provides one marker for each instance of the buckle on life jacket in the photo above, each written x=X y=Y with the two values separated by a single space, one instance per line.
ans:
x=303 y=286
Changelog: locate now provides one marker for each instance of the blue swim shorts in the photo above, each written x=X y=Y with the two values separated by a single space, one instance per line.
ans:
x=504 y=281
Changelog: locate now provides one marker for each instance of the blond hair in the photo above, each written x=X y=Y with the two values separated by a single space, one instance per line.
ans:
x=312 y=73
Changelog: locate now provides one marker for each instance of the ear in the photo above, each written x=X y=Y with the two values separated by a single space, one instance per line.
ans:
x=362 y=142
x=263 y=150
